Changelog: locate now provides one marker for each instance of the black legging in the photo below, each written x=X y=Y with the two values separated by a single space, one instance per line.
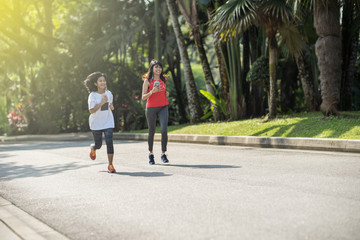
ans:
x=151 y=115
x=108 y=139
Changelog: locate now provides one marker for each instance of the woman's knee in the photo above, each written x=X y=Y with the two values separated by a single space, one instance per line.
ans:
x=98 y=145
x=163 y=131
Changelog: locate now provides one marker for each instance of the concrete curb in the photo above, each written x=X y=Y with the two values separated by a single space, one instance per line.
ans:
x=17 y=224
x=323 y=144
x=48 y=137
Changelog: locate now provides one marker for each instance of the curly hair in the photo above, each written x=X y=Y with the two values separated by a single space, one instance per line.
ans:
x=150 y=74
x=90 y=81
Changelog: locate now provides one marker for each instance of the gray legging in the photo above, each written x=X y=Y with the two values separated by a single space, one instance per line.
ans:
x=151 y=115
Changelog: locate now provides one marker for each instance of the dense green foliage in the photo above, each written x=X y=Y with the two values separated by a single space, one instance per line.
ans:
x=48 y=47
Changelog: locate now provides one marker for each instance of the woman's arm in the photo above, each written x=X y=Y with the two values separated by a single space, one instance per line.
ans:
x=145 y=94
x=97 y=107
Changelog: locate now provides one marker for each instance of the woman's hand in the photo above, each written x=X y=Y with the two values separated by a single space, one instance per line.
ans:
x=111 y=106
x=104 y=99
x=156 y=89
x=167 y=93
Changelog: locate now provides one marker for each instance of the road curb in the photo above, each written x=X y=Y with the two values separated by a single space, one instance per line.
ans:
x=17 y=224
x=323 y=144
x=48 y=137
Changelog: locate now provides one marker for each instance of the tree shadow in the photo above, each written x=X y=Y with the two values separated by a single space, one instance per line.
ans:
x=336 y=126
x=281 y=130
x=10 y=171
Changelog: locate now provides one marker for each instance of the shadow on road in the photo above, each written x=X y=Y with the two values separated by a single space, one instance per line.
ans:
x=42 y=145
x=10 y=171
x=201 y=166
x=143 y=174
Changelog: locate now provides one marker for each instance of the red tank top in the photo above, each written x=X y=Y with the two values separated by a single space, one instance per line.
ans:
x=157 y=99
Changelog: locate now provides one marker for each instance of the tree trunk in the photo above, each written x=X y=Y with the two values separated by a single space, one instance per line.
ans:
x=255 y=49
x=349 y=47
x=49 y=26
x=222 y=69
x=192 y=20
x=176 y=76
x=308 y=84
x=288 y=86
x=157 y=29
x=192 y=95
x=246 y=67
x=328 y=49
x=273 y=54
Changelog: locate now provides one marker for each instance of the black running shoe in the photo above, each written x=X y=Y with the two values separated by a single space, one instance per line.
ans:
x=164 y=158
x=151 y=159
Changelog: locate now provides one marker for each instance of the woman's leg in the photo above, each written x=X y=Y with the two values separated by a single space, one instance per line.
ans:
x=163 y=117
x=109 y=144
x=151 y=120
x=98 y=142
x=97 y=138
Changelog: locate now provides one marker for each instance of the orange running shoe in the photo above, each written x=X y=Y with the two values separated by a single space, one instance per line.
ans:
x=111 y=169
x=92 y=153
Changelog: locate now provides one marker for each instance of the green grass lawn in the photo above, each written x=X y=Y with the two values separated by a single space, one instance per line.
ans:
x=312 y=125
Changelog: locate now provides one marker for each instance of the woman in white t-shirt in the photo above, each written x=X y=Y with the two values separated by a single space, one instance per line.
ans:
x=101 y=118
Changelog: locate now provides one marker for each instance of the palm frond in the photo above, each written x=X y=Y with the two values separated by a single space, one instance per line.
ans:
x=234 y=16
x=300 y=8
x=278 y=9
x=291 y=38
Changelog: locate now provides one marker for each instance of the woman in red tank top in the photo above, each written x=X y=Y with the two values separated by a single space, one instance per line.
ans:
x=154 y=91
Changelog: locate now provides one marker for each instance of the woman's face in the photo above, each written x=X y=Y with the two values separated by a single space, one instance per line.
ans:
x=101 y=83
x=157 y=69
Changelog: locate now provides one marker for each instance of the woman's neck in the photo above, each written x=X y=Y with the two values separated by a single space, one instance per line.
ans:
x=101 y=91
x=156 y=77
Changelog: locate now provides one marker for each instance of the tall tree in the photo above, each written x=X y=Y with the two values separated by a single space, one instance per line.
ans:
x=157 y=30
x=306 y=61
x=328 y=49
x=350 y=42
x=308 y=83
x=211 y=7
x=238 y=15
x=192 y=94
x=191 y=17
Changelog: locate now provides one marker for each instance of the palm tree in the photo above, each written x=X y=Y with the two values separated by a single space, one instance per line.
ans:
x=157 y=29
x=211 y=7
x=306 y=61
x=350 y=42
x=328 y=50
x=235 y=16
x=192 y=95
x=191 y=17
x=189 y=11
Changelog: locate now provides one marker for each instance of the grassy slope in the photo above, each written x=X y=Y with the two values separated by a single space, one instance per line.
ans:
x=311 y=125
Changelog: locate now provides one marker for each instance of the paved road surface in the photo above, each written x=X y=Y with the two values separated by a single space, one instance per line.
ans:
x=206 y=192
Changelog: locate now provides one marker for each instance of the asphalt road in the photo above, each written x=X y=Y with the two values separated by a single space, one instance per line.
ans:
x=205 y=192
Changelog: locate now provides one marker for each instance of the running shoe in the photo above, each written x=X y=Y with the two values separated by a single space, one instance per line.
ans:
x=111 y=169
x=164 y=158
x=151 y=159
x=92 y=153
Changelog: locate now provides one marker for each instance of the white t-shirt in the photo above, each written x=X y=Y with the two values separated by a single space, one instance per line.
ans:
x=102 y=118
